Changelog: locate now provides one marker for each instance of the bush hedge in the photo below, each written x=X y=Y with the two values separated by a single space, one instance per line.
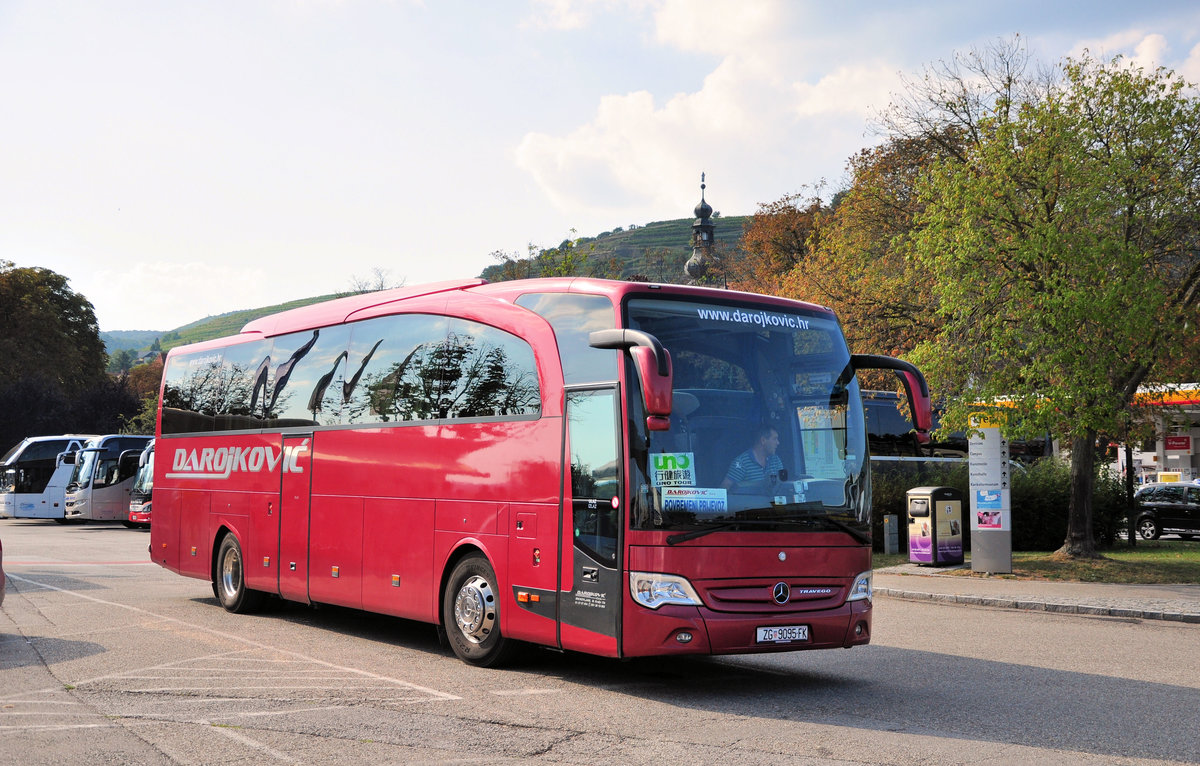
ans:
x=1040 y=496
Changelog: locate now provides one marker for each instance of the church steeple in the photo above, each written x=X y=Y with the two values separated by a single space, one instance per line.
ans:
x=702 y=239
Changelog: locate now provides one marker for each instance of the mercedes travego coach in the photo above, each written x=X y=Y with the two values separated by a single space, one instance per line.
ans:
x=103 y=478
x=34 y=476
x=624 y=469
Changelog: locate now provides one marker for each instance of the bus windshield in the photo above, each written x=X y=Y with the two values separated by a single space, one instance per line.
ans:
x=85 y=467
x=144 y=483
x=767 y=430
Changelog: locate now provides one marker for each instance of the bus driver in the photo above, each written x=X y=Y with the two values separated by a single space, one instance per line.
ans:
x=758 y=468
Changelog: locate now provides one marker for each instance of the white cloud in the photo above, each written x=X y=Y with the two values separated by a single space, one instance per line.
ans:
x=723 y=26
x=1137 y=46
x=1190 y=68
x=761 y=100
x=574 y=14
x=848 y=90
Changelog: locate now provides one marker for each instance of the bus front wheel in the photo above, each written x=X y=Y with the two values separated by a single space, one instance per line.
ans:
x=230 y=583
x=471 y=615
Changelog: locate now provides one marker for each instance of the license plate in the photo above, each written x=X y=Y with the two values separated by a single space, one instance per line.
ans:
x=782 y=635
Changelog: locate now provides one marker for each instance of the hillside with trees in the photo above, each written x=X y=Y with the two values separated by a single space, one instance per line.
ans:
x=654 y=252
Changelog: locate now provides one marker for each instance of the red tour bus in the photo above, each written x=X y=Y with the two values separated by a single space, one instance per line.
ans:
x=544 y=461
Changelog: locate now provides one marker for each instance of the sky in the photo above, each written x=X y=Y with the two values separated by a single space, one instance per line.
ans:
x=176 y=160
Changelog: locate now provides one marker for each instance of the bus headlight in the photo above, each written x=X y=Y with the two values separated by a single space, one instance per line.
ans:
x=653 y=590
x=861 y=589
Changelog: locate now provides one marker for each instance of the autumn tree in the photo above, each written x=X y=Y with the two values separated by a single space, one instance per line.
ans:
x=1061 y=246
x=856 y=250
x=778 y=238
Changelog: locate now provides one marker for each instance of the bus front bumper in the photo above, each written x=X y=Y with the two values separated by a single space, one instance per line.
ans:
x=700 y=630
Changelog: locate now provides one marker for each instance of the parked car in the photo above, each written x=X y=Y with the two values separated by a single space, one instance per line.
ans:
x=1168 y=507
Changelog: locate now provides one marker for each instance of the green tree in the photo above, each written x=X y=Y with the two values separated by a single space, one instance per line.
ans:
x=49 y=329
x=121 y=361
x=569 y=259
x=51 y=356
x=1061 y=245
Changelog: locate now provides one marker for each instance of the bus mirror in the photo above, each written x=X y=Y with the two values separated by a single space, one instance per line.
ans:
x=915 y=388
x=653 y=366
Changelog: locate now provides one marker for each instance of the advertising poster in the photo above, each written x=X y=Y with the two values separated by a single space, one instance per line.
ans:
x=990 y=475
x=920 y=542
x=949 y=530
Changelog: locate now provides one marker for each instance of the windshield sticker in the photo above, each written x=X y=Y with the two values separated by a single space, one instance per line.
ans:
x=673 y=469
x=818 y=417
x=694 y=499
x=757 y=318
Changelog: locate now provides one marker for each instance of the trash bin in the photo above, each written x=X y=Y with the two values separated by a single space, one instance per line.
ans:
x=935 y=526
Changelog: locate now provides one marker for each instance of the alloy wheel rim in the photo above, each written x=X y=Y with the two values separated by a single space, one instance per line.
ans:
x=474 y=609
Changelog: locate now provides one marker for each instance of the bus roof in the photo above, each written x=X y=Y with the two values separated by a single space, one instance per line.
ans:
x=341 y=310
x=20 y=447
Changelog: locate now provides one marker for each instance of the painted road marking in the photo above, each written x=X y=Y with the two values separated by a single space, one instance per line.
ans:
x=430 y=694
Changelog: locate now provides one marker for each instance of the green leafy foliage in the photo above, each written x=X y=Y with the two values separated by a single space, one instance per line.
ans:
x=1062 y=251
x=1040 y=497
x=52 y=377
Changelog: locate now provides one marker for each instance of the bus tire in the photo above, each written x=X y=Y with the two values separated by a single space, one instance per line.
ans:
x=230 y=582
x=471 y=615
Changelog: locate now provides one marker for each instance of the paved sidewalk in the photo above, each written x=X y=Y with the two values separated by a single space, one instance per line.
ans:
x=1180 y=603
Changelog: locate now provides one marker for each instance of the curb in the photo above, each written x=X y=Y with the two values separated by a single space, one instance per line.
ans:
x=1030 y=605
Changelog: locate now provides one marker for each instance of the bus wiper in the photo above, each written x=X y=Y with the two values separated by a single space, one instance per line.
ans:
x=792 y=518
x=839 y=525
x=718 y=527
x=685 y=536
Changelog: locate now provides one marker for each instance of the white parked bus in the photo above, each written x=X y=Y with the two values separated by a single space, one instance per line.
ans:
x=103 y=478
x=34 y=476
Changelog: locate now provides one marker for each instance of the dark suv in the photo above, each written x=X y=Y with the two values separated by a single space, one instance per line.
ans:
x=1169 y=507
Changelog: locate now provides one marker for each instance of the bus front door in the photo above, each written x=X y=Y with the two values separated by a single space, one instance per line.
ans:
x=294 y=495
x=590 y=592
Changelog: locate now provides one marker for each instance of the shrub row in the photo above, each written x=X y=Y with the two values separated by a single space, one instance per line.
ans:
x=1040 y=496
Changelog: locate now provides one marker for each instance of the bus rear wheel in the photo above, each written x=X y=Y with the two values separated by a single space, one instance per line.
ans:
x=230 y=583
x=471 y=615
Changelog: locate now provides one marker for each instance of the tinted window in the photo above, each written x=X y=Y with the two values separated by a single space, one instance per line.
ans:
x=410 y=367
x=45 y=450
x=573 y=318
x=486 y=372
x=592 y=429
x=307 y=377
x=240 y=399
x=189 y=385
x=393 y=368
x=1169 y=495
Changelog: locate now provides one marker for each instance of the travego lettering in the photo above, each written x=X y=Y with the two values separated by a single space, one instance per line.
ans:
x=221 y=462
